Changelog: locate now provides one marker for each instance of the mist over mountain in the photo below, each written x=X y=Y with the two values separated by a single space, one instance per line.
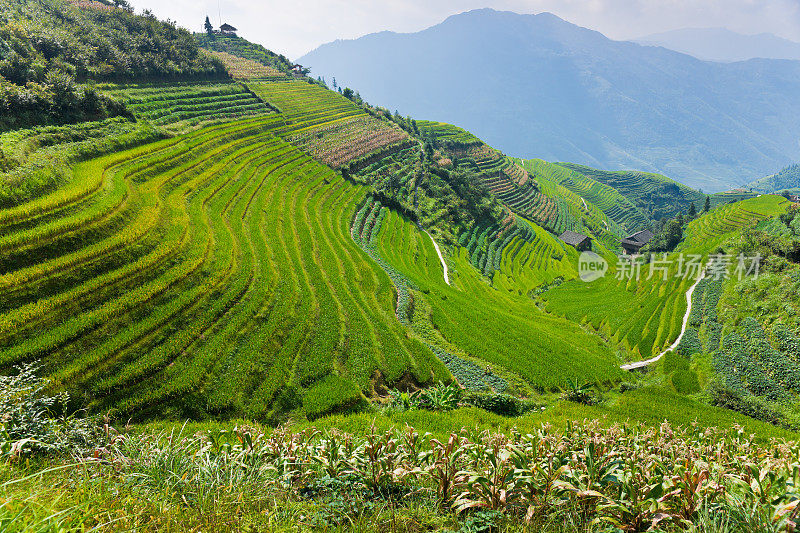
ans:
x=721 y=44
x=537 y=86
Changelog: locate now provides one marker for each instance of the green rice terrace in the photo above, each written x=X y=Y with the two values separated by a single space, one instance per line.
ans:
x=233 y=298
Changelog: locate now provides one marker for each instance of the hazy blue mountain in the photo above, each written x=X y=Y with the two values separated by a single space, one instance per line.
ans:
x=537 y=86
x=721 y=44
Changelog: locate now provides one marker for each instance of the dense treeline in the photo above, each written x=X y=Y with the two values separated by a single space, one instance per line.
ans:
x=48 y=47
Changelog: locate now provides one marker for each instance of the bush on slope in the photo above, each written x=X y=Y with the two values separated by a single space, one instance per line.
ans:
x=46 y=45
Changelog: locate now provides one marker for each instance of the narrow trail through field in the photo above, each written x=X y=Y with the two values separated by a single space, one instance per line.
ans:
x=439 y=252
x=584 y=203
x=674 y=345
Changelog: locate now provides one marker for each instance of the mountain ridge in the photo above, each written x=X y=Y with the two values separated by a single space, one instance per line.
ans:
x=557 y=89
x=722 y=44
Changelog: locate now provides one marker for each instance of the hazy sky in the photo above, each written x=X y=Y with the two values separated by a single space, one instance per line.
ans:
x=295 y=27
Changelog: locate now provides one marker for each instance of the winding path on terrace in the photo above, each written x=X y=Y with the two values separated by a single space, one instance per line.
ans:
x=674 y=345
x=439 y=253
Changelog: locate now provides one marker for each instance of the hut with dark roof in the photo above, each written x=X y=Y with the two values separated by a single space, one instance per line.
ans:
x=578 y=240
x=227 y=29
x=635 y=242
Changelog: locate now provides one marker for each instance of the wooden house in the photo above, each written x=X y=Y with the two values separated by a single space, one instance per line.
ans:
x=577 y=240
x=227 y=29
x=633 y=243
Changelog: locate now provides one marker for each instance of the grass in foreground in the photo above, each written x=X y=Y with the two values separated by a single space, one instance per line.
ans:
x=462 y=469
x=583 y=478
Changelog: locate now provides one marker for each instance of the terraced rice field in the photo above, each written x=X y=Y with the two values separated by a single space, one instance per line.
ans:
x=485 y=243
x=589 y=204
x=241 y=48
x=525 y=200
x=182 y=106
x=37 y=160
x=577 y=214
x=328 y=126
x=648 y=314
x=538 y=258
x=655 y=194
x=714 y=228
x=487 y=160
x=728 y=197
x=404 y=164
x=517 y=255
x=442 y=131
x=211 y=272
x=513 y=336
x=617 y=207
x=246 y=69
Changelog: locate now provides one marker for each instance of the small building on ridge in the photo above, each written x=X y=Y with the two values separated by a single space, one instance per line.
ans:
x=227 y=29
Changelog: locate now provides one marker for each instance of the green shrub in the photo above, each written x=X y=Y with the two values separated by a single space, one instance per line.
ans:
x=440 y=397
x=674 y=362
x=580 y=393
x=501 y=404
x=32 y=422
x=751 y=406
x=686 y=381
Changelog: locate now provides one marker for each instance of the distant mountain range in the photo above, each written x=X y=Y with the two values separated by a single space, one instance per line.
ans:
x=537 y=86
x=721 y=44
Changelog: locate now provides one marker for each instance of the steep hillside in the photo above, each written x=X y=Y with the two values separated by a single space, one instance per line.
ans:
x=536 y=86
x=219 y=272
x=788 y=178
x=527 y=189
x=743 y=329
x=732 y=196
x=654 y=194
x=203 y=272
x=218 y=310
x=178 y=107
x=284 y=248
x=616 y=206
